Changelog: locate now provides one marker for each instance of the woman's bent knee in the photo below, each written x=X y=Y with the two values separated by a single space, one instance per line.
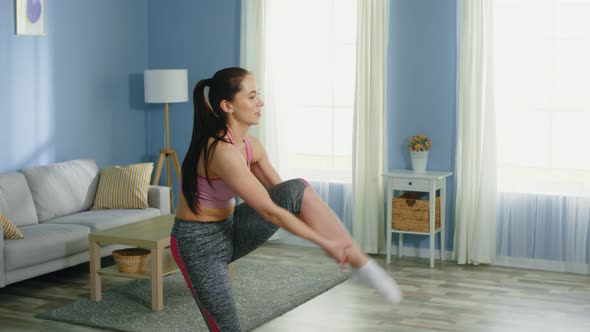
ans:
x=304 y=181
x=288 y=194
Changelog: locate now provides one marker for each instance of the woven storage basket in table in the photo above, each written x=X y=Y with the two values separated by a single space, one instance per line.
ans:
x=412 y=213
x=131 y=260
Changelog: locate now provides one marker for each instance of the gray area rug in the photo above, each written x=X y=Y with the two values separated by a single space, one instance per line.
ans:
x=262 y=292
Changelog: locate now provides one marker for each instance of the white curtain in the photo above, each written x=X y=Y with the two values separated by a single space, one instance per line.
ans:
x=286 y=73
x=475 y=209
x=544 y=232
x=254 y=58
x=339 y=196
x=368 y=212
x=543 y=110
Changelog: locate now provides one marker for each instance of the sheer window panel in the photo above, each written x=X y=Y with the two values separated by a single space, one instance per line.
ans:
x=522 y=139
x=324 y=153
x=522 y=87
x=540 y=57
x=572 y=70
x=571 y=141
x=571 y=17
x=328 y=21
x=522 y=68
x=513 y=23
x=343 y=118
x=313 y=88
x=312 y=55
x=316 y=124
x=344 y=68
x=295 y=21
x=345 y=12
x=310 y=60
x=541 y=51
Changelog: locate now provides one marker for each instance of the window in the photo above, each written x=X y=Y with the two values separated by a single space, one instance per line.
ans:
x=311 y=52
x=541 y=68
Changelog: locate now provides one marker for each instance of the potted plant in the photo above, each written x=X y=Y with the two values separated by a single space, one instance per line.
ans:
x=419 y=146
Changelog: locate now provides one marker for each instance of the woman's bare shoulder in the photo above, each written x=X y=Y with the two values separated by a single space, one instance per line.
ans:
x=257 y=147
x=224 y=149
x=221 y=144
x=253 y=140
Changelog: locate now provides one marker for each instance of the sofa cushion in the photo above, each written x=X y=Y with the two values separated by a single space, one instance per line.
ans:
x=62 y=188
x=43 y=243
x=99 y=220
x=9 y=230
x=16 y=201
x=124 y=187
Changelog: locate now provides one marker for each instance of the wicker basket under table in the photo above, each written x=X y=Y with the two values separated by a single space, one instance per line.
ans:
x=411 y=213
x=131 y=260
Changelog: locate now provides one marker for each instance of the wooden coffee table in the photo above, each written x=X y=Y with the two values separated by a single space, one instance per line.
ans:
x=152 y=234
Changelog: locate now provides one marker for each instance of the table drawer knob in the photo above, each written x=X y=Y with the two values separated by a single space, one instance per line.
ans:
x=410 y=183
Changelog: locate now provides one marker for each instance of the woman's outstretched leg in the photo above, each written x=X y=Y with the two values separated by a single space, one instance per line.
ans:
x=323 y=220
x=317 y=215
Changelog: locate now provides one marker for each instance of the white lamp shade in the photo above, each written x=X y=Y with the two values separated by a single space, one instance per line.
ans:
x=165 y=85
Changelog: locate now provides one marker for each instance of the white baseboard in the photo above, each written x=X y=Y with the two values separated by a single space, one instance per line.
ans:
x=516 y=262
x=418 y=252
x=542 y=264
x=284 y=237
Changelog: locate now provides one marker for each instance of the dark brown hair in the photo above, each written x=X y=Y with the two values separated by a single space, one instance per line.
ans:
x=210 y=121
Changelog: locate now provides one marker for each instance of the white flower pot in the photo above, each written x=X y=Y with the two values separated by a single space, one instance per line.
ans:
x=419 y=160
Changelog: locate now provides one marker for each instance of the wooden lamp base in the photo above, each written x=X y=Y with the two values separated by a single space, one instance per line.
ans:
x=171 y=159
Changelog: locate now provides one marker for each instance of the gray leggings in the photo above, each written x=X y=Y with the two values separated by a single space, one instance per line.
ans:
x=202 y=250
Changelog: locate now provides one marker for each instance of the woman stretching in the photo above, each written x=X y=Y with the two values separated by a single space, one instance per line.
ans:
x=210 y=231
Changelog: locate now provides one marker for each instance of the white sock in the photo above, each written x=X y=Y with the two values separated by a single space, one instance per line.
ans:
x=377 y=278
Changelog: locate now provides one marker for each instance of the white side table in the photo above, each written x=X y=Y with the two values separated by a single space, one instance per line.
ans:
x=428 y=182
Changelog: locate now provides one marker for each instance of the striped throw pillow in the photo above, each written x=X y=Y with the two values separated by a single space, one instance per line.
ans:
x=11 y=232
x=123 y=187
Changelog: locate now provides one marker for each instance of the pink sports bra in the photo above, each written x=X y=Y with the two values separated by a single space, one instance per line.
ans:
x=218 y=195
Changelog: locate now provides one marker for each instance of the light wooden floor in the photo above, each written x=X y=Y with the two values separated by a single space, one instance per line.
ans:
x=447 y=298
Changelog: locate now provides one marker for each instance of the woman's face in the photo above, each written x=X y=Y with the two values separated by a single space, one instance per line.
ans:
x=247 y=103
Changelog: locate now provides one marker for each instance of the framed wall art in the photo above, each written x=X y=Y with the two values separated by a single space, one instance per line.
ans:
x=30 y=17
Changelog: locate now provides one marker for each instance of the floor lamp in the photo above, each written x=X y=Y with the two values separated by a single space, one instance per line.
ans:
x=166 y=86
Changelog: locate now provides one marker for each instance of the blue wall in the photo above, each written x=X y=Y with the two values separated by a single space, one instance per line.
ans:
x=201 y=36
x=422 y=90
x=78 y=91
x=74 y=93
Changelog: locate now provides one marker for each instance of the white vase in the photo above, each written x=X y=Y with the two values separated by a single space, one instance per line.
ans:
x=419 y=160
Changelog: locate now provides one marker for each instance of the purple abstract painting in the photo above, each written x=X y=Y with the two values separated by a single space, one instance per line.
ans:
x=34 y=10
x=30 y=17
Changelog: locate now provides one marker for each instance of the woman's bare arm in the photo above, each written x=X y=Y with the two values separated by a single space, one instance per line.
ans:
x=229 y=164
x=261 y=166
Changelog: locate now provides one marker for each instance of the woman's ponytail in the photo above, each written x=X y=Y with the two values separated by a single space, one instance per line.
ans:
x=209 y=121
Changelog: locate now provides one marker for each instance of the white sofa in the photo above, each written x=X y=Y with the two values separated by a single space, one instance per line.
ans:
x=51 y=206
